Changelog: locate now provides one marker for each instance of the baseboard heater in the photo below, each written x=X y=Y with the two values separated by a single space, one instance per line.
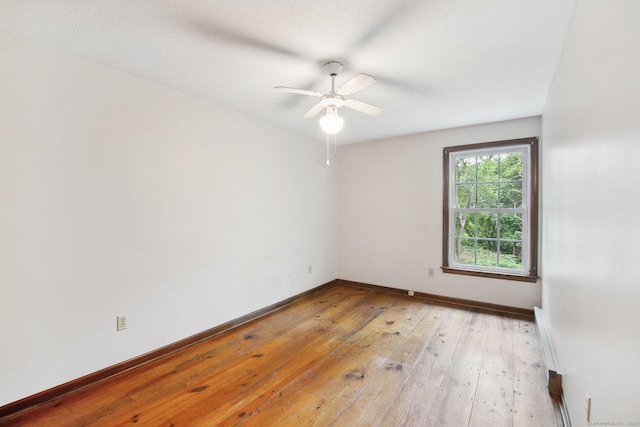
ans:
x=554 y=376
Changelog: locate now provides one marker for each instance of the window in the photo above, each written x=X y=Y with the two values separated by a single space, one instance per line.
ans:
x=490 y=215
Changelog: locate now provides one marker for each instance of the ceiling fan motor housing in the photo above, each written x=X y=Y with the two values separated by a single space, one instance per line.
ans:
x=332 y=100
x=333 y=68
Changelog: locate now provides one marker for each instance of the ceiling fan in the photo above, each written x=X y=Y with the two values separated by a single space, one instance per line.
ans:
x=331 y=123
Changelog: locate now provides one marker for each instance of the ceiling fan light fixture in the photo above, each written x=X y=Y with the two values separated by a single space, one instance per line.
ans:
x=331 y=123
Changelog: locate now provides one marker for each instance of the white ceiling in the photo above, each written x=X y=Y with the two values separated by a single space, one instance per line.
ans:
x=438 y=63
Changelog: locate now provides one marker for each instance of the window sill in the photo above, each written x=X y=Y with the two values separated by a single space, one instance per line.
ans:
x=491 y=275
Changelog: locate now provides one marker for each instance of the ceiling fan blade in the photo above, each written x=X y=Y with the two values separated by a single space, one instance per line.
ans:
x=313 y=111
x=298 y=91
x=357 y=83
x=363 y=107
x=387 y=21
x=216 y=30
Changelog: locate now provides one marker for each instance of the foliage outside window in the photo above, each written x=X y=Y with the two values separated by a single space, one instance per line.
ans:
x=490 y=209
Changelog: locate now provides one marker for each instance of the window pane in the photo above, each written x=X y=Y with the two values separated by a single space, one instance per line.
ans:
x=487 y=225
x=465 y=195
x=488 y=195
x=465 y=224
x=511 y=195
x=488 y=168
x=510 y=226
x=465 y=169
x=511 y=255
x=465 y=251
x=487 y=253
x=511 y=167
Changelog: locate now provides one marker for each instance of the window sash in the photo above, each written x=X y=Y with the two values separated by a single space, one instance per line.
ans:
x=525 y=265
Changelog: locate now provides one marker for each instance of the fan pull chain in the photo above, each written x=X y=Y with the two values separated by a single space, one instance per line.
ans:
x=335 y=148
x=328 y=162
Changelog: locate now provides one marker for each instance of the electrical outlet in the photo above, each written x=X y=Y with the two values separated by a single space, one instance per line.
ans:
x=587 y=406
x=430 y=272
x=309 y=269
x=410 y=293
x=121 y=323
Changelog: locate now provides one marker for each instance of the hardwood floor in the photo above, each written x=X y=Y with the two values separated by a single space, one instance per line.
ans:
x=344 y=356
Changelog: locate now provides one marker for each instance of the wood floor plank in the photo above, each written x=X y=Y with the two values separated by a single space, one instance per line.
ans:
x=372 y=366
x=344 y=356
x=390 y=367
x=458 y=386
x=422 y=387
x=344 y=367
x=493 y=403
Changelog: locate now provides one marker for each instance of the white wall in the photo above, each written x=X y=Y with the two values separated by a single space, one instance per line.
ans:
x=390 y=214
x=119 y=196
x=591 y=200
